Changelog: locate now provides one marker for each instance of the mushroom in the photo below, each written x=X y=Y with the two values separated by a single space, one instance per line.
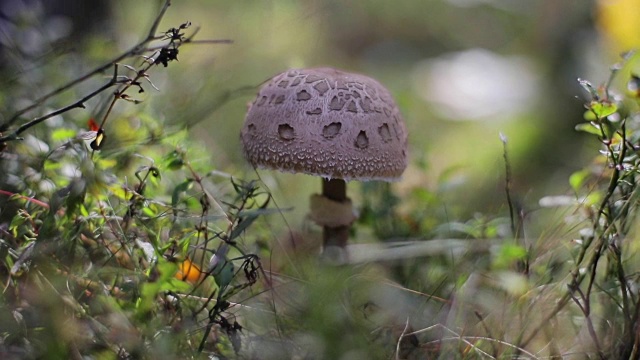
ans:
x=329 y=123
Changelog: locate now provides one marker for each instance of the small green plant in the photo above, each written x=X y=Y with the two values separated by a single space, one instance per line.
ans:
x=605 y=259
x=115 y=245
x=510 y=295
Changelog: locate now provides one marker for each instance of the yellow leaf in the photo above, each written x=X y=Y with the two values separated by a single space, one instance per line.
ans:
x=119 y=192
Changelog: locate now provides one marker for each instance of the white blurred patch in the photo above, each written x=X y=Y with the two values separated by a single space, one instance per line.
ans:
x=35 y=145
x=476 y=85
x=557 y=201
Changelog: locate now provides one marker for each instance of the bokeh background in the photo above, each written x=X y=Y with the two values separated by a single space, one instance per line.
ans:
x=462 y=71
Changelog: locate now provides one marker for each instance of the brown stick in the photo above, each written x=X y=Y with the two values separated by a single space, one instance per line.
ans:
x=336 y=190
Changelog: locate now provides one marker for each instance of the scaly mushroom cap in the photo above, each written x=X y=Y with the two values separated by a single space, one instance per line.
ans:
x=326 y=122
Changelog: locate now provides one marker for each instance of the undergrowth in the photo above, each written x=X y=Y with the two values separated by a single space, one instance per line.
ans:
x=113 y=243
x=116 y=243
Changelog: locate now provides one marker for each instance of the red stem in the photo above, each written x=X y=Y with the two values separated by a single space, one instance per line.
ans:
x=33 y=200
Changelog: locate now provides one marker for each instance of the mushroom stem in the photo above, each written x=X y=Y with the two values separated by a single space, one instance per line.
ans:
x=336 y=190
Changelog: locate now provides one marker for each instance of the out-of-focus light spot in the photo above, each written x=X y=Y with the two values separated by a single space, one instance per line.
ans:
x=476 y=85
x=619 y=21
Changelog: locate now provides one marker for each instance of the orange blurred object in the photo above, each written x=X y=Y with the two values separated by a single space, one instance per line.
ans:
x=188 y=272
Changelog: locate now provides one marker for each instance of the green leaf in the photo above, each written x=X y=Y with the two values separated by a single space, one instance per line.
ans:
x=149 y=212
x=599 y=110
x=590 y=128
x=149 y=290
x=243 y=223
x=178 y=190
x=508 y=254
x=594 y=198
x=223 y=274
x=51 y=166
x=175 y=285
x=155 y=172
x=62 y=134
x=118 y=191
x=107 y=163
x=17 y=220
x=247 y=217
x=174 y=160
x=83 y=211
x=578 y=178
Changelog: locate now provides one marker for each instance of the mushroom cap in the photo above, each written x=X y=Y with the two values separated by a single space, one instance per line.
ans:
x=326 y=122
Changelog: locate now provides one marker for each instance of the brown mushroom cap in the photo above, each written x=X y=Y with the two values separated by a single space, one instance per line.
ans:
x=326 y=122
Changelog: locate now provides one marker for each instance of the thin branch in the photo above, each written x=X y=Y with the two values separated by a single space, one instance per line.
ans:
x=404 y=331
x=137 y=49
x=464 y=339
x=78 y=104
x=213 y=41
x=156 y=23
x=487 y=330
x=62 y=88
x=162 y=54
x=26 y=198
x=507 y=185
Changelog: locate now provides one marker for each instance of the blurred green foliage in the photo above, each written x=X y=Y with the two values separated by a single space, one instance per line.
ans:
x=164 y=244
